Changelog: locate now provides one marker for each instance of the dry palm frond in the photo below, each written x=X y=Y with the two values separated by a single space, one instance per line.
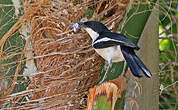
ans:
x=111 y=90
x=65 y=65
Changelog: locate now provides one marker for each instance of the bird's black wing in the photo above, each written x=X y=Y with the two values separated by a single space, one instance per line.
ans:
x=135 y=64
x=108 y=39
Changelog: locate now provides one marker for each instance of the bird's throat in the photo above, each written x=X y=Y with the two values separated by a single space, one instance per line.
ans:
x=94 y=35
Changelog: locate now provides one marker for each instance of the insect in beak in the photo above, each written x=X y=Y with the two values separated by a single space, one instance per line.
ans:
x=77 y=25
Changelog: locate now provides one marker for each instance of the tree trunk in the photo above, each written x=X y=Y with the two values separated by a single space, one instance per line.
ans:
x=149 y=53
x=146 y=96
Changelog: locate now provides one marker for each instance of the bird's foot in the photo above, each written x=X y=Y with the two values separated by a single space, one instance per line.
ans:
x=102 y=81
x=123 y=70
x=107 y=71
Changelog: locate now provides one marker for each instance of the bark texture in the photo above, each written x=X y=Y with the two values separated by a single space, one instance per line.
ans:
x=149 y=53
x=143 y=93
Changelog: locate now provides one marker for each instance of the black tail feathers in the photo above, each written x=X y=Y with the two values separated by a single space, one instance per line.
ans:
x=136 y=66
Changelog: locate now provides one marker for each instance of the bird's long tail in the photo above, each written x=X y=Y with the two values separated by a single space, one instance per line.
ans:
x=136 y=66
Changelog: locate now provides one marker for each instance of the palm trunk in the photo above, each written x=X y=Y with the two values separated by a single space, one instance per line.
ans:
x=145 y=96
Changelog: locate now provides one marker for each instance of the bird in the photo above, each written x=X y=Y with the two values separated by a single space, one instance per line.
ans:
x=113 y=47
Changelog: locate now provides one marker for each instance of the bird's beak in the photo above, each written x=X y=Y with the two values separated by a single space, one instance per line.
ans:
x=81 y=24
x=77 y=25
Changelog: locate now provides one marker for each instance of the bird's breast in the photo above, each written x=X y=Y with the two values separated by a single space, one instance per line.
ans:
x=113 y=53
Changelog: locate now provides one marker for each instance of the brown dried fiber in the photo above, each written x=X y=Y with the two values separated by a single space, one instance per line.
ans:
x=66 y=63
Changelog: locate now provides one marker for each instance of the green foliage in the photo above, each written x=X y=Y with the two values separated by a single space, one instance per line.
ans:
x=14 y=44
x=119 y=103
x=114 y=72
x=102 y=103
x=168 y=54
x=7 y=17
x=90 y=13
x=136 y=20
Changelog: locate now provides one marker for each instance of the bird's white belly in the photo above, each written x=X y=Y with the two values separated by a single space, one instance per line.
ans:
x=111 y=53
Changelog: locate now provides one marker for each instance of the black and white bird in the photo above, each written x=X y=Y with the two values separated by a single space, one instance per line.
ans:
x=113 y=47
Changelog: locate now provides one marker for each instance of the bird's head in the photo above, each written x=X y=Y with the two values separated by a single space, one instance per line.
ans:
x=94 y=28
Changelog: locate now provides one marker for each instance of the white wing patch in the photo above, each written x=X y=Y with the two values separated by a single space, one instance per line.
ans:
x=105 y=39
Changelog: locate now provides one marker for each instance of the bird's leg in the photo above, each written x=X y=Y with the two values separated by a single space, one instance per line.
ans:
x=123 y=71
x=107 y=70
